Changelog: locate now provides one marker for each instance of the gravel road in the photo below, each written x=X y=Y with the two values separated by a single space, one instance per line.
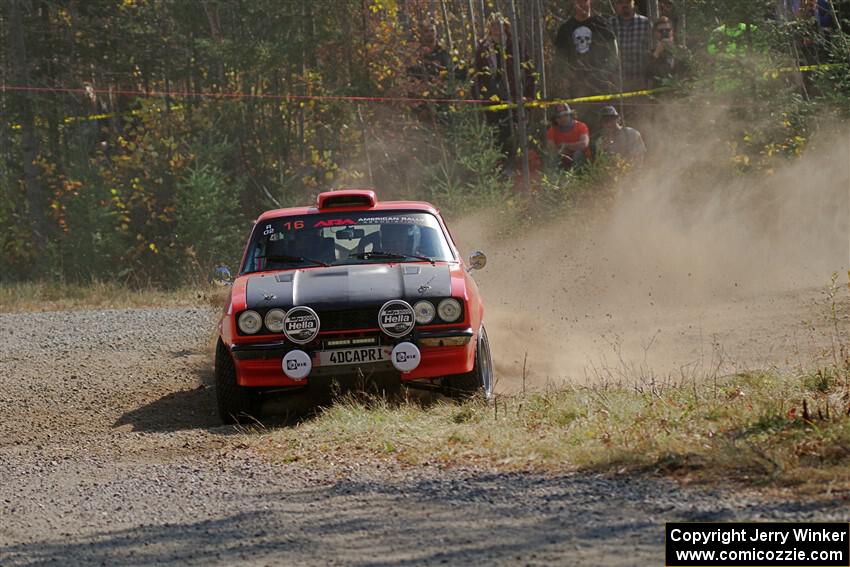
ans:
x=112 y=455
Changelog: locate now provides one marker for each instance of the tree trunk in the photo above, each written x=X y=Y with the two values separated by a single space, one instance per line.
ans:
x=22 y=107
x=483 y=19
x=215 y=32
x=448 y=28
x=518 y=93
x=474 y=28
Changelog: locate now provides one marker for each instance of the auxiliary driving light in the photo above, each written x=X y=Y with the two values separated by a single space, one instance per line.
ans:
x=445 y=341
x=405 y=357
x=297 y=364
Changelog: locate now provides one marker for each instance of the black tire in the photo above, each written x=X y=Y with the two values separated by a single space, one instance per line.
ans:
x=235 y=402
x=479 y=381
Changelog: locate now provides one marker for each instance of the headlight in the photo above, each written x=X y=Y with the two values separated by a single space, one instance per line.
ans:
x=250 y=322
x=449 y=310
x=424 y=311
x=274 y=320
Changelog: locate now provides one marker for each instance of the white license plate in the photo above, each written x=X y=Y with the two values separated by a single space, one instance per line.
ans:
x=362 y=355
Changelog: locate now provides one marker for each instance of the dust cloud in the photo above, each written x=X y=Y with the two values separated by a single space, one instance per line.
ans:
x=689 y=270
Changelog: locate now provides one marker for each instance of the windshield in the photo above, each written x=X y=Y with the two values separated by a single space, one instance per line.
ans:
x=335 y=239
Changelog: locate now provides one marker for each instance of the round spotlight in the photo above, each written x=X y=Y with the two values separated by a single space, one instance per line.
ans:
x=301 y=325
x=396 y=318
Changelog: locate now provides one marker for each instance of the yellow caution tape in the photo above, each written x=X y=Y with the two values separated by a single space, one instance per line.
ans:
x=594 y=98
x=94 y=117
x=507 y=105
x=774 y=73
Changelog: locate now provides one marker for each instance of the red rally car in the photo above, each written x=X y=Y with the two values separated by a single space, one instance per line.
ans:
x=346 y=290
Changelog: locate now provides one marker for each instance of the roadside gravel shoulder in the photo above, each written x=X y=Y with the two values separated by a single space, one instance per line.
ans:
x=112 y=454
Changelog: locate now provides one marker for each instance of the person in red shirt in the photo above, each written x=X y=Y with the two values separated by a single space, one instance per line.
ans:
x=568 y=137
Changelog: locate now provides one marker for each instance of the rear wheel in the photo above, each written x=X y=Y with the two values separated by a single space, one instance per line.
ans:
x=480 y=379
x=235 y=402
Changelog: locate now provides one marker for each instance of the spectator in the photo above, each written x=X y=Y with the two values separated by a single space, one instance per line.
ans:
x=621 y=141
x=430 y=75
x=585 y=49
x=668 y=59
x=434 y=61
x=669 y=9
x=819 y=9
x=740 y=55
x=494 y=77
x=634 y=37
x=814 y=26
x=567 y=137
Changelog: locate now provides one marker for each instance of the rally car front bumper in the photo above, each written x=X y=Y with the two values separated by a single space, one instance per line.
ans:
x=442 y=352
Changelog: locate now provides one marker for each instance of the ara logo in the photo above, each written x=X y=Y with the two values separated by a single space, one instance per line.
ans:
x=333 y=222
x=396 y=318
x=301 y=325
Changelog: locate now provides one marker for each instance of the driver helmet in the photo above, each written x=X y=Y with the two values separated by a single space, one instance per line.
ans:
x=397 y=238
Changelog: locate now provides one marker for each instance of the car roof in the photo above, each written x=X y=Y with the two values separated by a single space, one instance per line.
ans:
x=380 y=206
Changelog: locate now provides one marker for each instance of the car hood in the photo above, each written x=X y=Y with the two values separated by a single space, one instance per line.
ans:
x=347 y=286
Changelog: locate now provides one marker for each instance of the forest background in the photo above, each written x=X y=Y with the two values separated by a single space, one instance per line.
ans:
x=141 y=138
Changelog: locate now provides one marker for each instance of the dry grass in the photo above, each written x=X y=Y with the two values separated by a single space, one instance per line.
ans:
x=41 y=296
x=756 y=429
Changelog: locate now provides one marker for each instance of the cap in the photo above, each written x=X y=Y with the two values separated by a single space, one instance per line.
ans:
x=563 y=109
x=608 y=111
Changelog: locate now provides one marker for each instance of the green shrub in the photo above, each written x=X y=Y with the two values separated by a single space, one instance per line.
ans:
x=467 y=172
x=209 y=228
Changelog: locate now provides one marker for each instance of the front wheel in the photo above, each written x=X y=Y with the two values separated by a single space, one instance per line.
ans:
x=235 y=402
x=480 y=379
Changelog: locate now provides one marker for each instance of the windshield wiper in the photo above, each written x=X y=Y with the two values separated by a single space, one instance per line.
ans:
x=388 y=255
x=288 y=258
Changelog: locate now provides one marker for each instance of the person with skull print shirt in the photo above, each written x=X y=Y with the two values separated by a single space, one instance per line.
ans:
x=585 y=46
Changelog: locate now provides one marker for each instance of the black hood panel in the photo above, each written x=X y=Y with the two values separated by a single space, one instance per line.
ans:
x=342 y=287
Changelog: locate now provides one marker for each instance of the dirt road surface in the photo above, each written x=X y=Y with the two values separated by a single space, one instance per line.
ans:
x=112 y=455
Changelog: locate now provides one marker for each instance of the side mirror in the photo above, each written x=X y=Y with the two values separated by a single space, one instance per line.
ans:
x=222 y=276
x=477 y=260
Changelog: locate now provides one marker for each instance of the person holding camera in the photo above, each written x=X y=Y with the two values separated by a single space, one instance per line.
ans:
x=666 y=56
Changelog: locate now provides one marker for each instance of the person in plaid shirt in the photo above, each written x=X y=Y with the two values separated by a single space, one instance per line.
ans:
x=634 y=36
